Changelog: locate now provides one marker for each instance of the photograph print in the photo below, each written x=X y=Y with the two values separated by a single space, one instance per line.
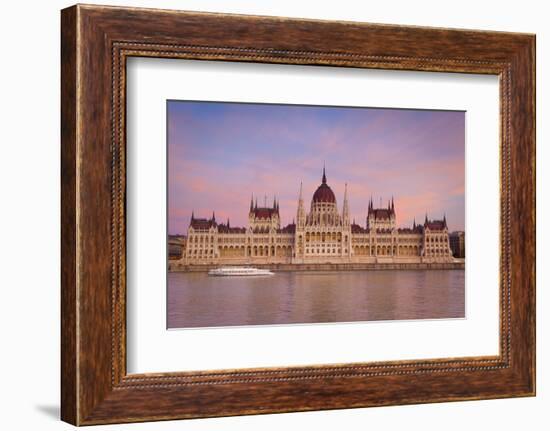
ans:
x=295 y=214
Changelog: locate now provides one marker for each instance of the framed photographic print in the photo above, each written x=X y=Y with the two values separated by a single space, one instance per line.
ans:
x=264 y=215
x=334 y=259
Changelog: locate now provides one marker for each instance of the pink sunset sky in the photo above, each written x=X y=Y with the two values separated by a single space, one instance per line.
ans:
x=219 y=154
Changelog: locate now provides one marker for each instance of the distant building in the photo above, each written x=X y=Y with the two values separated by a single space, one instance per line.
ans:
x=176 y=246
x=458 y=244
x=322 y=235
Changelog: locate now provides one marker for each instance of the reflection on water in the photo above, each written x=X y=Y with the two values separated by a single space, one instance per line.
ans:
x=199 y=300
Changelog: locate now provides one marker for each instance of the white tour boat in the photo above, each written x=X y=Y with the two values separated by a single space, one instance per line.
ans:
x=238 y=271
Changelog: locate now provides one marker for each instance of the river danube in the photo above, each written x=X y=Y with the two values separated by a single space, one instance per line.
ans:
x=198 y=300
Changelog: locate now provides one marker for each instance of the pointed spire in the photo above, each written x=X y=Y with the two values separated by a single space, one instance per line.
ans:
x=324 y=174
x=300 y=212
x=251 y=202
x=426 y=220
x=392 y=205
x=192 y=215
x=345 y=209
x=445 y=219
x=414 y=223
x=274 y=202
x=227 y=221
x=345 y=196
x=213 y=216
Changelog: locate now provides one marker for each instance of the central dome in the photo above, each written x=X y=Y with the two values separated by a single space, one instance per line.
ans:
x=324 y=193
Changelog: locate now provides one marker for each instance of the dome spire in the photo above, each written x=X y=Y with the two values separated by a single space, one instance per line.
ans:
x=324 y=193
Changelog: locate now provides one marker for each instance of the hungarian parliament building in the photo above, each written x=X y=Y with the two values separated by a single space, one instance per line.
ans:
x=323 y=235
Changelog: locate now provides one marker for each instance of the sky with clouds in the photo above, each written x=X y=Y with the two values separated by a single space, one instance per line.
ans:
x=219 y=154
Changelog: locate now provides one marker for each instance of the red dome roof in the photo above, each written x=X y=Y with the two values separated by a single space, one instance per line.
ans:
x=324 y=193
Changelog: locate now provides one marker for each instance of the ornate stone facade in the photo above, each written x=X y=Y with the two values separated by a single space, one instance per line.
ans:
x=322 y=235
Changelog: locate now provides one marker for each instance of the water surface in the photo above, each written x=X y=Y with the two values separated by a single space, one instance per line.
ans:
x=198 y=300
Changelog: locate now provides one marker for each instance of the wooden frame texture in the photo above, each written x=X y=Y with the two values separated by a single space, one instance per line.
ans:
x=95 y=43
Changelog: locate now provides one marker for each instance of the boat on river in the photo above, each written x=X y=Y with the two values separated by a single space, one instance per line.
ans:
x=231 y=271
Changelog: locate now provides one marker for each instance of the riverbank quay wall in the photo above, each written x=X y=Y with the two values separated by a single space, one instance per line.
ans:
x=175 y=267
